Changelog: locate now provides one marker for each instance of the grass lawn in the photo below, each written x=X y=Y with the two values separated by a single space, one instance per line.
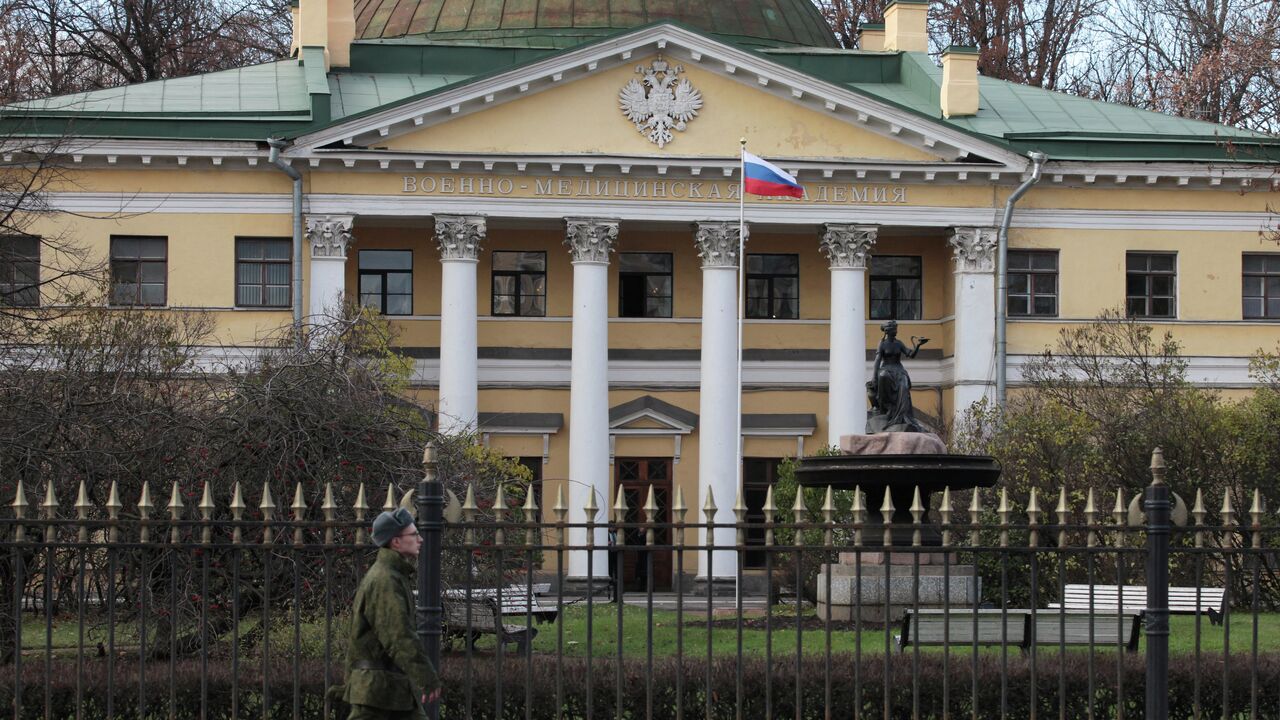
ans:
x=667 y=634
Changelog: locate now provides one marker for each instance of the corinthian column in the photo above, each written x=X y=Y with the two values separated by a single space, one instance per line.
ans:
x=329 y=237
x=975 y=312
x=459 y=238
x=846 y=247
x=590 y=240
x=718 y=439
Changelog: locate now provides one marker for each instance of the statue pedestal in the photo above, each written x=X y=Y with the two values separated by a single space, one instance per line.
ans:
x=860 y=586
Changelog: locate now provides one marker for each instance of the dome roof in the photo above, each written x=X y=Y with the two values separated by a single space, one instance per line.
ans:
x=565 y=23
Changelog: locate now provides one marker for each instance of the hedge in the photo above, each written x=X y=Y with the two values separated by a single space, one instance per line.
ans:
x=663 y=677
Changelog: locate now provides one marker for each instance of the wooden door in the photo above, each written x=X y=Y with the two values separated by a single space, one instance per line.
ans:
x=635 y=476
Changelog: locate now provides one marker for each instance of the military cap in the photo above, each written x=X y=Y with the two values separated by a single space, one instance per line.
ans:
x=388 y=525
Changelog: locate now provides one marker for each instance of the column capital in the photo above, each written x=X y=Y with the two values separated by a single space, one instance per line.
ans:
x=717 y=243
x=329 y=235
x=974 y=249
x=459 y=236
x=590 y=240
x=847 y=246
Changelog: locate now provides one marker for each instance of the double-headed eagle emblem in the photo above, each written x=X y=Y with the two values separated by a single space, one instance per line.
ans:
x=660 y=103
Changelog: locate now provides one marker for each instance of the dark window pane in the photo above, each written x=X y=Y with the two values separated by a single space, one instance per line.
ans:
x=658 y=307
x=1136 y=262
x=757 y=288
x=1136 y=307
x=1273 y=308
x=1161 y=307
x=504 y=304
x=371 y=284
x=1254 y=263
x=124 y=248
x=277 y=274
x=1046 y=305
x=1017 y=305
x=1019 y=260
x=757 y=307
x=248 y=273
x=249 y=295
x=786 y=309
x=908 y=310
x=277 y=296
x=1272 y=263
x=151 y=248
x=124 y=293
x=1018 y=283
x=1161 y=286
x=908 y=289
x=153 y=272
x=400 y=283
x=788 y=288
x=533 y=284
x=1253 y=307
x=650 y=262
x=1044 y=260
x=1253 y=285
x=1162 y=263
x=658 y=285
x=249 y=250
x=152 y=294
x=900 y=265
x=399 y=305
x=1046 y=284
x=504 y=284
x=1273 y=287
x=386 y=259
x=278 y=249
x=782 y=264
x=370 y=300
x=1136 y=284
x=881 y=289
x=881 y=309
x=533 y=306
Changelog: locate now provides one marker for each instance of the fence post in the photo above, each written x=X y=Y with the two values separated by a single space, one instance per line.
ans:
x=1156 y=620
x=431 y=525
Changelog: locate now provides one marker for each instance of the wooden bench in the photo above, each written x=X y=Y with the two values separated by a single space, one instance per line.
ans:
x=470 y=620
x=932 y=627
x=518 y=601
x=1106 y=599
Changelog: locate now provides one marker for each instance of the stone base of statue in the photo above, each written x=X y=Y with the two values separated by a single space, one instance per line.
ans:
x=872 y=586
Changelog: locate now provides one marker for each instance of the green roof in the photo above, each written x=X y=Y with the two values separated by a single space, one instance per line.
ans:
x=292 y=97
x=569 y=23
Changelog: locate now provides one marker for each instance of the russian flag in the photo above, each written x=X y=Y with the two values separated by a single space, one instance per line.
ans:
x=761 y=177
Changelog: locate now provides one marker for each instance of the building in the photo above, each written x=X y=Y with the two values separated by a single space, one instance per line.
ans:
x=544 y=198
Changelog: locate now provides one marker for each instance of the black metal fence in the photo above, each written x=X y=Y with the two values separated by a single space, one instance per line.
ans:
x=212 y=608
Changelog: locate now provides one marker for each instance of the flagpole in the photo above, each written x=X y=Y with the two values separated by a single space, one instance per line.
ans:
x=742 y=314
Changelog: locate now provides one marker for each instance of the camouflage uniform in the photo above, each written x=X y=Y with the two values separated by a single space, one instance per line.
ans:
x=388 y=671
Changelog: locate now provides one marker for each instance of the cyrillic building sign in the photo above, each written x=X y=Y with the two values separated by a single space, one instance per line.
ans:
x=620 y=189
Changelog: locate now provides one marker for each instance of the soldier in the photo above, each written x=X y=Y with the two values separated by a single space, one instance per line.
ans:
x=388 y=673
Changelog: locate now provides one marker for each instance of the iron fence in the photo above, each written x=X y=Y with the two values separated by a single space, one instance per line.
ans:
x=214 y=608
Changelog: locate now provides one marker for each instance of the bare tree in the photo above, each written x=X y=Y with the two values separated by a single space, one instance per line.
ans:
x=846 y=16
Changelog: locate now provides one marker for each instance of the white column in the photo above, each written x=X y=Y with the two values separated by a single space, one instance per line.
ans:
x=459 y=238
x=847 y=246
x=718 y=439
x=329 y=237
x=975 y=313
x=590 y=241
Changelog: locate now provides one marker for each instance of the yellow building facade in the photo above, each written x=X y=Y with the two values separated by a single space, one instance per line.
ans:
x=547 y=209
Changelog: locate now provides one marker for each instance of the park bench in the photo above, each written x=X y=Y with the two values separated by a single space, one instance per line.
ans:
x=470 y=619
x=1106 y=599
x=518 y=601
x=932 y=627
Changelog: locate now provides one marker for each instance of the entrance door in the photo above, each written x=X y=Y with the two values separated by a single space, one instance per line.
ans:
x=634 y=476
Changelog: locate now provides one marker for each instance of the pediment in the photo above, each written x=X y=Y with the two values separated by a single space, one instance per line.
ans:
x=649 y=414
x=583 y=117
x=568 y=105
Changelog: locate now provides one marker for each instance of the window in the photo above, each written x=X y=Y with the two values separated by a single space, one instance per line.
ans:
x=20 y=271
x=644 y=285
x=896 y=287
x=263 y=272
x=520 y=283
x=1033 y=283
x=1149 y=284
x=386 y=281
x=534 y=463
x=757 y=475
x=773 y=286
x=1262 y=286
x=139 y=270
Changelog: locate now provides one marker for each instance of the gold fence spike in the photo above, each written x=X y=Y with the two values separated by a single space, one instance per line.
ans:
x=268 y=508
x=975 y=518
x=329 y=508
x=499 y=516
x=1004 y=512
x=389 y=504
x=19 y=512
x=361 y=507
x=530 y=517
x=299 y=514
x=770 y=509
x=1255 y=515
x=1118 y=512
x=859 y=512
x=886 y=517
x=82 y=512
x=828 y=517
x=620 y=506
x=144 y=513
x=1157 y=466
x=740 y=514
x=651 y=516
x=1228 y=513
x=113 y=512
x=206 y=514
x=175 y=513
x=944 y=515
x=50 y=506
x=917 y=516
x=559 y=511
x=407 y=503
x=1090 y=519
x=1033 y=519
x=1199 y=513
x=590 y=511
x=452 y=507
x=237 y=513
x=679 y=513
x=429 y=455
x=1064 y=516
x=709 y=506
x=800 y=513
x=469 y=510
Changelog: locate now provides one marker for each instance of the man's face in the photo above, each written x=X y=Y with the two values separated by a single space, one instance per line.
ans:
x=407 y=543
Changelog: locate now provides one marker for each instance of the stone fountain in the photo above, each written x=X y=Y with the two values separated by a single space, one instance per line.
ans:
x=899 y=456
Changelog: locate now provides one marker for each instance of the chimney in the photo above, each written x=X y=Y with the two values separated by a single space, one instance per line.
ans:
x=871 y=37
x=960 y=81
x=327 y=24
x=906 y=26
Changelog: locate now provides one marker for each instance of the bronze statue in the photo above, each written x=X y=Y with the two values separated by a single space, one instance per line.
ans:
x=890 y=387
